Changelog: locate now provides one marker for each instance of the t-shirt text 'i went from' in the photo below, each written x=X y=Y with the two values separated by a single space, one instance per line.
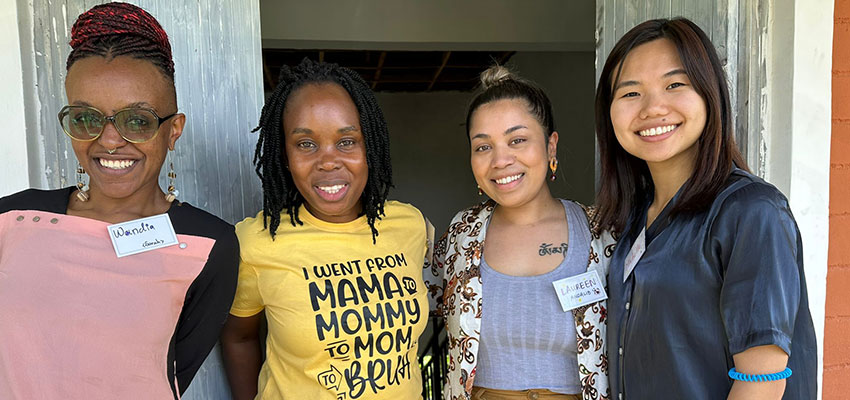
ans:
x=344 y=314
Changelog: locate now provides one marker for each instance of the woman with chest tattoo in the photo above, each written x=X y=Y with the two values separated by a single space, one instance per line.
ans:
x=511 y=335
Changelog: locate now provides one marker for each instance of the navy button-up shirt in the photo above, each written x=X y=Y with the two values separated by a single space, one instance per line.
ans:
x=709 y=285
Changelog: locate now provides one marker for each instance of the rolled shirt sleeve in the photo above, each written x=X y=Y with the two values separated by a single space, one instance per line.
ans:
x=760 y=253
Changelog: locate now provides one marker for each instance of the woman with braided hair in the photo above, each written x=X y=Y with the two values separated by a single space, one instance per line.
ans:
x=340 y=279
x=112 y=289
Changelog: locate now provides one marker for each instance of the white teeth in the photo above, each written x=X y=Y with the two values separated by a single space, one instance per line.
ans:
x=331 y=189
x=117 y=164
x=659 y=130
x=509 y=179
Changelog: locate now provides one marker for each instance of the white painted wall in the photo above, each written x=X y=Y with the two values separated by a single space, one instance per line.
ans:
x=13 y=151
x=553 y=25
x=800 y=63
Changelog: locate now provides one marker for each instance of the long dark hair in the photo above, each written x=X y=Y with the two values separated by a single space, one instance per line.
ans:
x=279 y=189
x=625 y=178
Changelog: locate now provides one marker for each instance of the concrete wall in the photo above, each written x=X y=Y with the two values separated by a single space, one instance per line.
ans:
x=568 y=79
x=430 y=150
x=798 y=163
x=836 y=370
x=430 y=154
x=553 y=25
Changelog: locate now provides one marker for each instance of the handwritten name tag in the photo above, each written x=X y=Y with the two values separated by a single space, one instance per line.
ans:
x=140 y=235
x=638 y=248
x=579 y=290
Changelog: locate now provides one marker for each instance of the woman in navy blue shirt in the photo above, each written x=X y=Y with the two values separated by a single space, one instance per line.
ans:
x=707 y=290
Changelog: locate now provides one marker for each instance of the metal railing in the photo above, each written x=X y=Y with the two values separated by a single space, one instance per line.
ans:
x=434 y=362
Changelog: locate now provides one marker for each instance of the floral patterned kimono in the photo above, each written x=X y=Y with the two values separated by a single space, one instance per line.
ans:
x=454 y=282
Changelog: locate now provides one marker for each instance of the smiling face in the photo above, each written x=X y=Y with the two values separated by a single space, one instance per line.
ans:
x=656 y=113
x=111 y=85
x=325 y=151
x=510 y=153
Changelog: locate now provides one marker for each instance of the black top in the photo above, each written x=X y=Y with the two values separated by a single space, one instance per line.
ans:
x=711 y=284
x=208 y=298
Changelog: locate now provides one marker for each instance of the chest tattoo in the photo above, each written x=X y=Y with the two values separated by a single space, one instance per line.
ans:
x=549 y=248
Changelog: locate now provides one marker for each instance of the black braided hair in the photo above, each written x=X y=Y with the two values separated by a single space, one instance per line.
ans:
x=279 y=189
x=120 y=29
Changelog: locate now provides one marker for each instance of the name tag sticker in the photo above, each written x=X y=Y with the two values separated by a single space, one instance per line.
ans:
x=579 y=290
x=638 y=248
x=143 y=234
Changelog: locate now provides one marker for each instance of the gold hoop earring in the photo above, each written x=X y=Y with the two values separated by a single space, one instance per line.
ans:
x=553 y=165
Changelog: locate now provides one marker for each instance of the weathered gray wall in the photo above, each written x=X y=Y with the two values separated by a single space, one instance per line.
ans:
x=216 y=45
x=217 y=55
x=738 y=29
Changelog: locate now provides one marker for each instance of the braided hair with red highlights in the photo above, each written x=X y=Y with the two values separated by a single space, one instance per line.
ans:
x=120 y=29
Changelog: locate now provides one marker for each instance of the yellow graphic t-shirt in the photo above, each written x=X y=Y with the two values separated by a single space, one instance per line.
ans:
x=344 y=314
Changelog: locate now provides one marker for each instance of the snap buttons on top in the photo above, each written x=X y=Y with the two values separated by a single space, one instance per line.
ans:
x=183 y=245
x=54 y=221
x=20 y=218
x=36 y=218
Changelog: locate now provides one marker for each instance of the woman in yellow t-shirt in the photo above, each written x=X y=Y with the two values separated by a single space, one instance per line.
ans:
x=340 y=280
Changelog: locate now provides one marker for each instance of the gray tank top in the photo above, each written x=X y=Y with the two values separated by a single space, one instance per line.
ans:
x=527 y=340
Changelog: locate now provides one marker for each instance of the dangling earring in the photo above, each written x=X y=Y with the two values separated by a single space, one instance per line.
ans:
x=480 y=192
x=82 y=188
x=172 y=191
x=553 y=165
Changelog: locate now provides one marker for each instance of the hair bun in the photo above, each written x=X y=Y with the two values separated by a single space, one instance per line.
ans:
x=495 y=75
x=118 y=19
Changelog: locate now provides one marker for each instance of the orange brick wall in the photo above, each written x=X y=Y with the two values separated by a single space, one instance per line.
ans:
x=836 y=358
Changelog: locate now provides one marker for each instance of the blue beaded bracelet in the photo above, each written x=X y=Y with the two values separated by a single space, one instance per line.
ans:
x=759 y=377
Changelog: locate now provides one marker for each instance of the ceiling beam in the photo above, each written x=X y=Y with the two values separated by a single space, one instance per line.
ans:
x=505 y=56
x=378 y=71
x=268 y=74
x=446 y=56
x=400 y=80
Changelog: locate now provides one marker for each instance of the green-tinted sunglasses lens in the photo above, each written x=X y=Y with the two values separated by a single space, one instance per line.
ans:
x=82 y=122
x=137 y=125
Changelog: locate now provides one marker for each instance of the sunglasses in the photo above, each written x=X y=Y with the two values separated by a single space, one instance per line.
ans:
x=135 y=125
